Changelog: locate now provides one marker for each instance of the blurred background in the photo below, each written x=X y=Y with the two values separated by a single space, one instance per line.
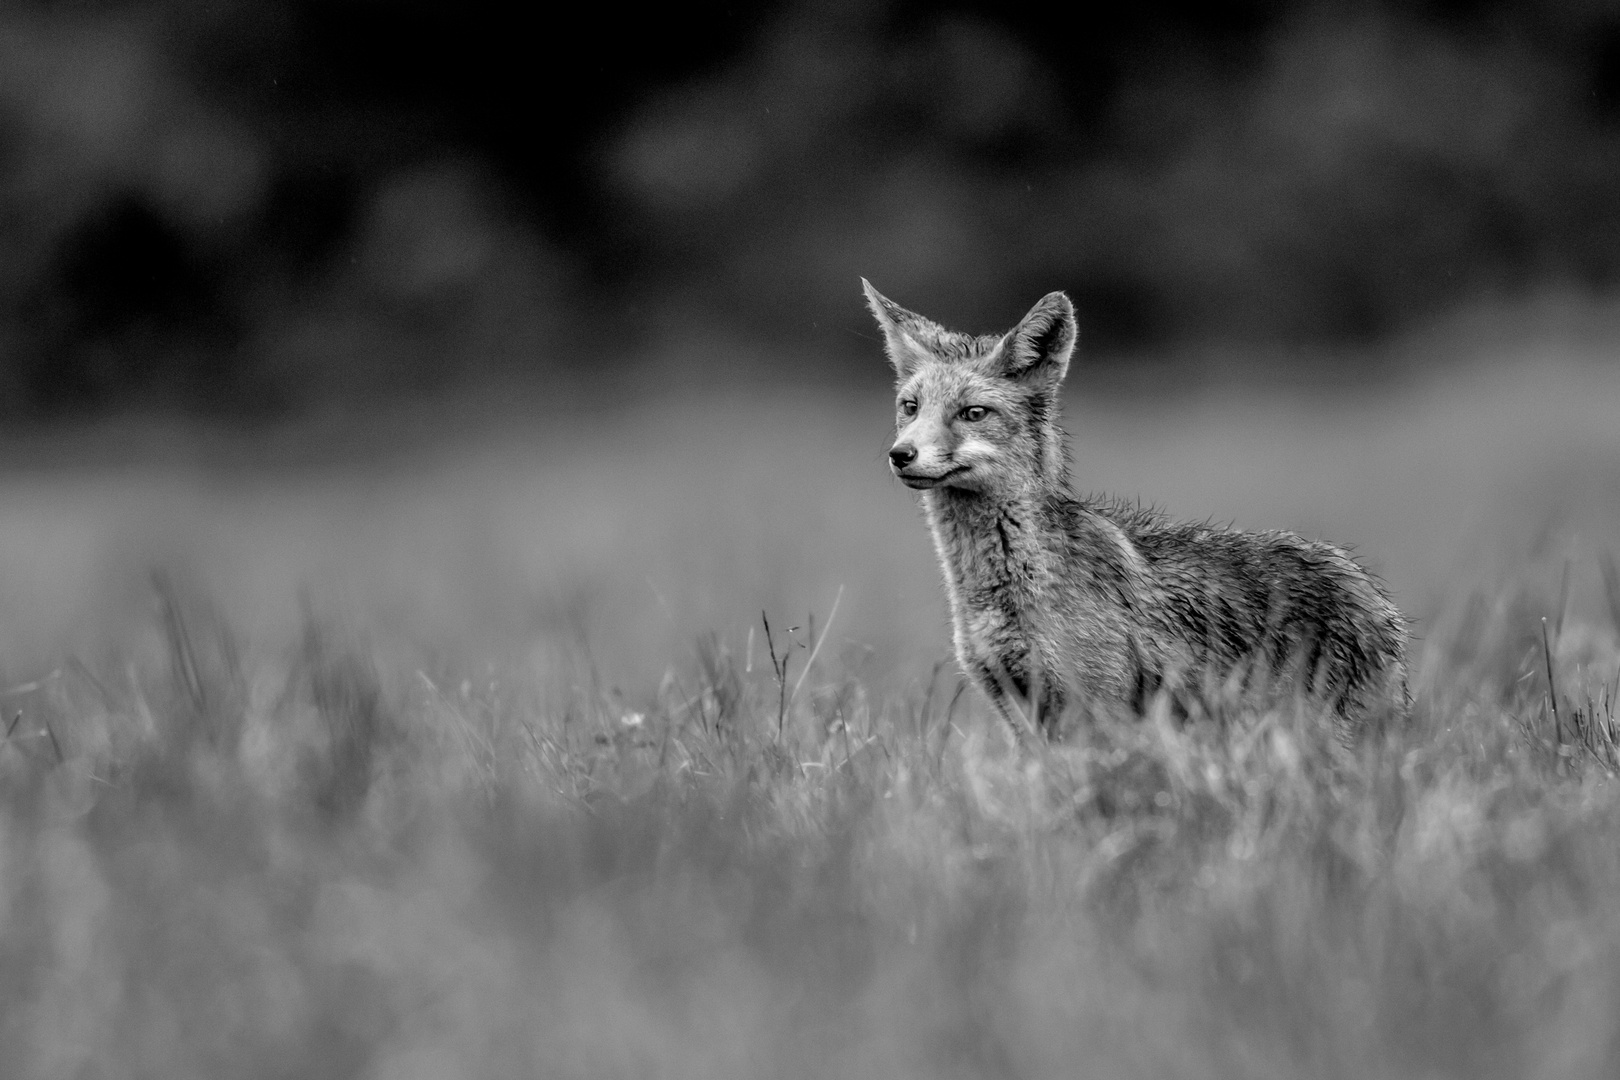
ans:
x=250 y=207
x=560 y=329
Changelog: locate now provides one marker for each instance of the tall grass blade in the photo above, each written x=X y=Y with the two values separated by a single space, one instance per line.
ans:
x=1552 y=686
x=1563 y=602
x=816 y=649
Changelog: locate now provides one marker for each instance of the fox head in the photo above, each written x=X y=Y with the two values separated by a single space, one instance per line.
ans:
x=978 y=413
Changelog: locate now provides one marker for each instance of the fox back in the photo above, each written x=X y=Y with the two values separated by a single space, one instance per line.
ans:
x=1062 y=604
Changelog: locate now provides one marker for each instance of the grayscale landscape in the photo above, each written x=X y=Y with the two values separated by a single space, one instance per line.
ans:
x=451 y=642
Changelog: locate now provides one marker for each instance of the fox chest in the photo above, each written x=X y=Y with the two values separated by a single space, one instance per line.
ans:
x=1000 y=609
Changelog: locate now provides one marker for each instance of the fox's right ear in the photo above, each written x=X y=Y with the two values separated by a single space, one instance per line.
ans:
x=904 y=332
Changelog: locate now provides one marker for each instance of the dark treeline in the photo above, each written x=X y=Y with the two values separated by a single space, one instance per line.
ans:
x=270 y=205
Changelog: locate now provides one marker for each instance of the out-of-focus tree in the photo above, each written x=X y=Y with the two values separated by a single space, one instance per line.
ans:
x=245 y=205
x=1312 y=175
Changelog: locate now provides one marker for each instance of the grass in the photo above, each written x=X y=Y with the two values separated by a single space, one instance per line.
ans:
x=306 y=866
x=479 y=795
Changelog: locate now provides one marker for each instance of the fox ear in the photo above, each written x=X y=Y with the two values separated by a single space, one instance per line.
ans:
x=1040 y=345
x=904 y=332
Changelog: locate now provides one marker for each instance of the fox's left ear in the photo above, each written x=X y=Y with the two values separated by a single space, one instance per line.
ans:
x=1040 y=345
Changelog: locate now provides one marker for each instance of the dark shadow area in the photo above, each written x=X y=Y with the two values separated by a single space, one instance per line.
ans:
x=262 y=209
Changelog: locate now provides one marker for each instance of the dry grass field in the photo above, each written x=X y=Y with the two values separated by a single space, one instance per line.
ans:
x=461 y=750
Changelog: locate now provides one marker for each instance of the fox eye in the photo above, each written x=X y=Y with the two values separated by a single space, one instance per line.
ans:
x=975 y=413
x=908 y=407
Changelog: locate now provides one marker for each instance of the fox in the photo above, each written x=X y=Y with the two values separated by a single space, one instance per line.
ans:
x=1064 y=606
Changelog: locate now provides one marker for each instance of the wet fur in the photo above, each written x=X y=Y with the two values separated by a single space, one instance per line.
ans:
x=1062 y=605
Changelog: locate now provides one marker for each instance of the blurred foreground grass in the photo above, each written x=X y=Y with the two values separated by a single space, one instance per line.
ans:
x=472 y=760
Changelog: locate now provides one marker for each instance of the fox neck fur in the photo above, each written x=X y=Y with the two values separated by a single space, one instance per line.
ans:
x=1041 y=590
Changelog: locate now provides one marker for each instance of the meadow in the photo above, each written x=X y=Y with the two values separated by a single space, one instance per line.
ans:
x=621 y=739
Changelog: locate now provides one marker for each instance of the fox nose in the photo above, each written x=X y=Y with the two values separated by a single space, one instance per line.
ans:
x=902 y=455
